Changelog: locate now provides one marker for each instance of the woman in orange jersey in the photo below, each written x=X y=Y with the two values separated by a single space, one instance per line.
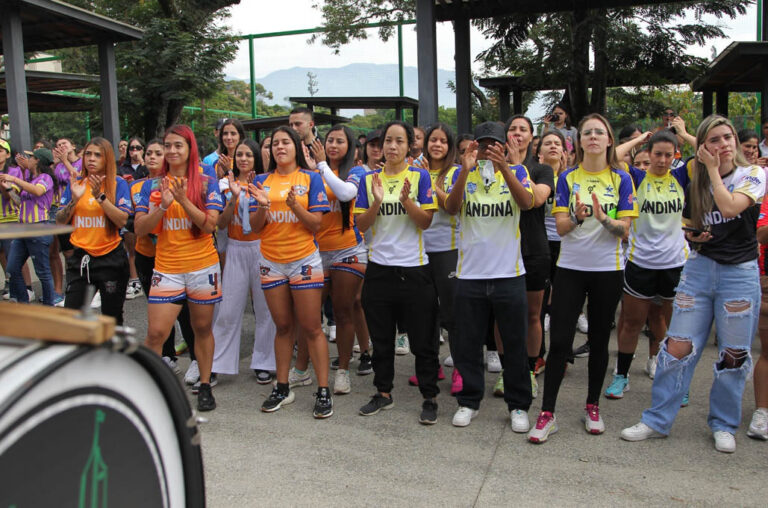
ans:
x=343 y=250
x=241 y=274
x=97 y=205
x=182 y=210
x=290 y=203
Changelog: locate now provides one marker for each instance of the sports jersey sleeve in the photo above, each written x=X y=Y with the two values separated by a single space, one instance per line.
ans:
x=123 y=197
x=682 y=175
x=142 y=205
x=752 y=184
x=627 y=206
x=213 y=199
x=66 y=196
x=426 y=195
x=638 y=175
x=762 y=219
x=46 y=182
x=521 y=173
x=361 y=202
x=318 y=201
x=562 y=195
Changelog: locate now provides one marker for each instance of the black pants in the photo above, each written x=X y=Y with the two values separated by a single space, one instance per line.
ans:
x=573 y=286
x=442 y=267
x=554 y=253
x=396 y=293
x=145 y=266
x=476 y=304
x=108 y=273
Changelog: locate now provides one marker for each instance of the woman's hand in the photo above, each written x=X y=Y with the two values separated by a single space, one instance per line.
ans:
x=580 y=210
x=513 y=149
x=95 y=182
x=497 y=156
x=377 y=188
x=318 y=150
x=258 y=193
x=166 y=196
x=77 y=189
x=597 y=210
x=711 y=161
x=469 y=159
x=178 y=187
x=234 y=185
x=311 y=163
x=290 y=199
x=704 y=236
x=223 y=165
x=405 y=192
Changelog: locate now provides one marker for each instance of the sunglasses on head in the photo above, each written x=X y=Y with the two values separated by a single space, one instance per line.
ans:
x=669 y=113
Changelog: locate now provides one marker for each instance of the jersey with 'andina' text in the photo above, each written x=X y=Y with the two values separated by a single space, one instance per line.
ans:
x=489 y=240
x=590 y=247
x=395 y=239
x=332 y=236
x=656 y=240
x=284 y=238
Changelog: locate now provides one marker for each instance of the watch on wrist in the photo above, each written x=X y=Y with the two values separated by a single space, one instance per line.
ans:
x=101 y=198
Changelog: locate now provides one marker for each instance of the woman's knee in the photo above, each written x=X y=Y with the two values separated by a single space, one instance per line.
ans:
x=678 y=347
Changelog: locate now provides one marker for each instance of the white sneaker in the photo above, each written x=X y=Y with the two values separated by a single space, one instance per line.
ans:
x=650 y=367
x=593 y=422
x=31 y=295
x=171 y=363
x=639 y=432
x=192 y=375
x=582 y=324
x=356 y=348
x=341 y=382
x=546 y=424
x=463 y=416
x=296 y=379
x=133 y=290
x=758 y=427
x=493 y=361
x=724 y=441
x=96 y=302
x=402 y=347
x=448 y=362
x=332 y=333
x=519 y=420
x=546 y=322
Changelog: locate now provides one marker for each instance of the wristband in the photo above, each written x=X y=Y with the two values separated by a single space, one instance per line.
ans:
x=576 y=220
x=101 y=198
x=163 y=209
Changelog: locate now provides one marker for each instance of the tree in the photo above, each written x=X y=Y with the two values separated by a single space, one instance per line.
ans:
x=179 y=60
x=552 y=50
x=312 y=85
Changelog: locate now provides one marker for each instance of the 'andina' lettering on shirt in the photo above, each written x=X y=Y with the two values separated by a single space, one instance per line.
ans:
x=489 y=210
x=392 y=209
x=662 y=207
x=282 y=216
x=89 y=222
x=177 y=224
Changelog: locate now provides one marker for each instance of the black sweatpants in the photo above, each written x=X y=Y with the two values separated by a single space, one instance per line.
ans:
x=108 y=274
x=573 y=286
x=407 y=294
x=442 y=267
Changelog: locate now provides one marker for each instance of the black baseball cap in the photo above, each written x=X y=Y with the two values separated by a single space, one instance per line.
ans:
x=376 y=134
x=490 y=130
x=220 y=123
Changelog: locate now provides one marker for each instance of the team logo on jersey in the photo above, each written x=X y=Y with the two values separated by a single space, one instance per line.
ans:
x=672 y=187
x=122 y=201
x=299 y=190
x=471 y=187
x=306 y=272
x=212 y=196
x=137 y=197
x=266 y=189
x=609 y=192
x=321 y=196
x=648 y=187
x=730 y=188
x=631 y=199
x=352 y=260
x=504 y=189
x=392 y=188
x=576 y=187
x=263 y=270
x=156 y=278
x=429 y=192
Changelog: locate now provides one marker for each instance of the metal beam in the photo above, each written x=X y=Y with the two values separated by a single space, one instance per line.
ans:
x=706 y=103
x=109 y=108
x=426 y=50
x=15 y=79
x=721 y=101
x=463 y=75
x=517 y=101
x=504 y=104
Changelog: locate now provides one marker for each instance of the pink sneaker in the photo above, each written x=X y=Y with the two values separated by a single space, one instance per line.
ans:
x=457 y=384
x=592 y=421
x=546 y=424
x=414 y=381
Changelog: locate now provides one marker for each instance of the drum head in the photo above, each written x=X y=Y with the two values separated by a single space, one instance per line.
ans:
x=11 y=231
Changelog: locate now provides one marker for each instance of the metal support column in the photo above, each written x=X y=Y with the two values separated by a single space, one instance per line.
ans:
x=15 y=79
x=426 y=44
x=706 y=103
x=109 y=109
x=503 y=104
x=253 y=77
x=764 y=92
x=463 y=75
x=721 y=101
x=517 y=101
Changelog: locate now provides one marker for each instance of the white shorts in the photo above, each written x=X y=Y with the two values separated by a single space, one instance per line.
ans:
x=352 y=260
x=306 y=273
x=201 y=286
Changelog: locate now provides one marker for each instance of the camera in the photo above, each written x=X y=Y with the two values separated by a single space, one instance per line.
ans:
x=555 y=117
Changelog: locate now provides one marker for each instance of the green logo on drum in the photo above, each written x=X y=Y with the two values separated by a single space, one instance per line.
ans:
x=93 y=480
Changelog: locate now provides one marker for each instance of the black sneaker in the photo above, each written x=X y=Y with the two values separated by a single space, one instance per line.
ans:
x=263 y=377
x=428 y=412
x=366 y=364
x=205 y=400
x=276 y=400
x=323 y=403
x=213 y=382
x=376 y=404
x=335 y=363
x=582 y=351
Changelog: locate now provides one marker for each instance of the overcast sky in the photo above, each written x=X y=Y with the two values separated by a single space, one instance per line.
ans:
x=259 y=16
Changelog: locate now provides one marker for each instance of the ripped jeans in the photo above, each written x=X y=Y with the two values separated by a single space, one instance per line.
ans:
x=708 y=291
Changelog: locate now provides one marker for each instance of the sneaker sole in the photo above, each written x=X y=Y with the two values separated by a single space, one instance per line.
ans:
x=196 y=389
x=303 y=382
x=289 y=399
x=427 y=422
x=320 y=416
x=385 y=408
x=402 y=352
x=206 y=408
x=337 y=391
x=264 y=381
x=757 y=435
x=543 y=439
x=364 y=372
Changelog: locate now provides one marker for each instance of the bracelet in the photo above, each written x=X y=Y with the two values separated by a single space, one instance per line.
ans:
x=576 y=220
x=163 y=209
x=265 y=207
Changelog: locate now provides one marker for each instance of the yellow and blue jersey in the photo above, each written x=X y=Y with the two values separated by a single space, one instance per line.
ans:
x=442 y=234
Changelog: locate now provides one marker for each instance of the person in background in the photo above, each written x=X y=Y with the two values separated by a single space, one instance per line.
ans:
x=131 y=170
x=266 y=145
x=763 y=145
x=417 y=149
x=462 y=142
x=302 y=120
x=642 y=159
x=213 y=157
x=122 y=148
x=372 y=156
x=560 y=119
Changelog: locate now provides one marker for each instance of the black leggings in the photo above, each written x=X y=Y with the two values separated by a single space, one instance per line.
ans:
x=573 y=286
x=554 y=253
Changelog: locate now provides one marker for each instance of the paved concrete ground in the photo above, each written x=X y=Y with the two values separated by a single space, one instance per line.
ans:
x=290 y=459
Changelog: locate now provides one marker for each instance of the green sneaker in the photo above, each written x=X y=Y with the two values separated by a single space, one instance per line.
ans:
x=181 y=347
x=534 y=385
x=498 y=388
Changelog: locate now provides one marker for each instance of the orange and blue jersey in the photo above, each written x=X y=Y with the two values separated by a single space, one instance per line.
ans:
x=284 y=238
x=90 y=222
x=331 y=235
x=145 y=245
x=35 y=208
x=9 y=210
x=178 y=249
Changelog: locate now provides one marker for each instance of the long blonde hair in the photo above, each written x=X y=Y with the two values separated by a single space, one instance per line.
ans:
x=610 y=152
x=700 y=195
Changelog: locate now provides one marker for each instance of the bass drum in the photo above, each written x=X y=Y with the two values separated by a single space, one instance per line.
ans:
x=89 y=426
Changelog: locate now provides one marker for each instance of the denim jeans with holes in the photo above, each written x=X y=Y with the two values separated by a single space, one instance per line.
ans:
x=729 y=296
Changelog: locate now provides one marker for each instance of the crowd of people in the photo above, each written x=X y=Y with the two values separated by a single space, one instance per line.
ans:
x=407 y=236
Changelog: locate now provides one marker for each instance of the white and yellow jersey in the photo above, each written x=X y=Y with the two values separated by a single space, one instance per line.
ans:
x=590 y=247
x=442 y=234
x=656 y=240
x=395 y=239
x=489 y=238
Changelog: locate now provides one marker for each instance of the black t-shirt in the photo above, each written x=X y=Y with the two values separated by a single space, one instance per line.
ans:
x=532 y=231
x=733 y=240
x=127 y=169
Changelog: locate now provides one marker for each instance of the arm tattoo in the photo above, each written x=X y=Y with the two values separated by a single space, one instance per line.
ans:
x=65 y=213
x=614 y=228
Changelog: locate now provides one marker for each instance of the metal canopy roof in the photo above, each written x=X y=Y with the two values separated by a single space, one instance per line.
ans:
x=259 y=124
x=49 y=103
x=44 y=81
x=741 y=67
x=447 y=10
x=376 y=102
x=51 y=24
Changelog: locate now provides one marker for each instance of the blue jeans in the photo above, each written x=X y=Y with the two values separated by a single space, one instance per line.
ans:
x=37 y=249
x=708 y=291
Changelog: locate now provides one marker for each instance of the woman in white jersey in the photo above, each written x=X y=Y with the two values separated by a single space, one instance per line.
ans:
x=490 y=195
x=397 y=203
x=655 y=256
x=594 y=205
x=720 y=284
